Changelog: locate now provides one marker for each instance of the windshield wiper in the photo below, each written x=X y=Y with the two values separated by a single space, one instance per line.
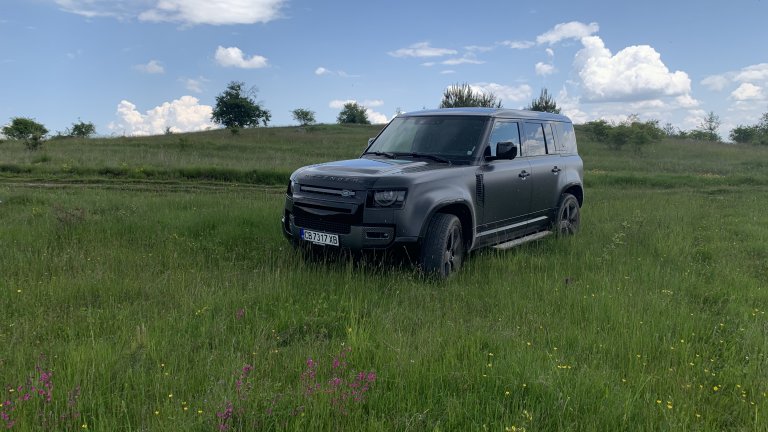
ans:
x=425 y=156
x=385 y=154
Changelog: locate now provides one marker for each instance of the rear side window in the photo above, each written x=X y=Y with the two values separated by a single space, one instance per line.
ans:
x=534 y=143
x=566 y=138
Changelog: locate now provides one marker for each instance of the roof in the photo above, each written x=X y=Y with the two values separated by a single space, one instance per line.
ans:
x=490 y=112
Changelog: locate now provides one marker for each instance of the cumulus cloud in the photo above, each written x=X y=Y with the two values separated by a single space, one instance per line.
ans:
x=422 y=49
x=153 y=67
x=504 y=92
x=715 y=82
x=634 y=73
x=220 y=12
x=234 y=57
x=544 y=69
x=185 y=114
x=754 y=73
x=322 y=71
x=214 y=12
x=570 y=30
x=747 y=91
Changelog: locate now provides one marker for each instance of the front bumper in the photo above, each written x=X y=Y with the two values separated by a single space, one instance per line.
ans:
x=357 y=227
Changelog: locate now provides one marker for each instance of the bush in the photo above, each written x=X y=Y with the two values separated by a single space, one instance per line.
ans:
x=26 y=129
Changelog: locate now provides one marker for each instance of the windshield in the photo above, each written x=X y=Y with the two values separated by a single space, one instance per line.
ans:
x=451 y=137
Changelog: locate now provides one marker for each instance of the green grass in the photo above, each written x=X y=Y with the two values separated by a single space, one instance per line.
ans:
x=152 y=297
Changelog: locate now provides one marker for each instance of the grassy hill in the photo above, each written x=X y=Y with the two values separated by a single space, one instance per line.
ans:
x=145 y=285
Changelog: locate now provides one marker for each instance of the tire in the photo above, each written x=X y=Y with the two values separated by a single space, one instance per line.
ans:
x=443 y=249
x=568 y=217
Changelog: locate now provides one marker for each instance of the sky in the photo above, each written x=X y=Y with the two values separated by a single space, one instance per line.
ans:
x=140 y=67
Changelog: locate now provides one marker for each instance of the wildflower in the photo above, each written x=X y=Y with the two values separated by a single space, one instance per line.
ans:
x=506 y=393
x=84 y=426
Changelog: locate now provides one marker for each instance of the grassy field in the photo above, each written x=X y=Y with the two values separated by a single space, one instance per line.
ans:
x=164 y=302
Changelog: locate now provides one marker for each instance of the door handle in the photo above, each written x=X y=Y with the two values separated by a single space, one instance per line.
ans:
x=524 y=174
x=556 y=170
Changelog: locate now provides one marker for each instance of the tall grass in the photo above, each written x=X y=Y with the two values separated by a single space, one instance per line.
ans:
x=181 y=307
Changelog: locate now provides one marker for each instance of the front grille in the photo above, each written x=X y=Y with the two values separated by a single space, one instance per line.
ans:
x=309 y=221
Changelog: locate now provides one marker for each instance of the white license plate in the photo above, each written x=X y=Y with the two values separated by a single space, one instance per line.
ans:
x=320 y=237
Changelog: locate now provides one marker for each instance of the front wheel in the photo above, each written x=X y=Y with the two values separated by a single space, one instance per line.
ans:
x=568 y=215
x=442 y=251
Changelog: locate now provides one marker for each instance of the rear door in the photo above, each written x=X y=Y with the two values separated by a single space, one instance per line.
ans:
x=545 y=167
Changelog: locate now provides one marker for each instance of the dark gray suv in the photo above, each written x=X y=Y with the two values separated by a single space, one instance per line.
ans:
x=446 y=181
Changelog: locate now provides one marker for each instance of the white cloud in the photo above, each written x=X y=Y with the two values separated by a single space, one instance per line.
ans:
x=544 y=69
x=517 y=44
x=153 y=67
x=422 y=49
x=181 y=115
x=478 y=48
x=375 y=117
x=463 y=60
x=194 y=84
x=550 y=52
x=191 y=12
x=747 y=91
x=687 y=101
x=634 y=73
x=323 y=71
x=503 y=92
x=447 y=71
x=570 y=30
x=372 y=103
x=234 y=57
x=715 y=82
x=754 y=73
x=214 y=12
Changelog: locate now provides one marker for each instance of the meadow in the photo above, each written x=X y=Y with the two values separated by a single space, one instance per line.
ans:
x=146 y=286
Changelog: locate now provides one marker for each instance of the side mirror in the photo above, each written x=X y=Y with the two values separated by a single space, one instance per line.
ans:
x=371 y=140
x=506 y=150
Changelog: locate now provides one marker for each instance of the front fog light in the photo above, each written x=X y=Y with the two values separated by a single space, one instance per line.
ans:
x=389 y=198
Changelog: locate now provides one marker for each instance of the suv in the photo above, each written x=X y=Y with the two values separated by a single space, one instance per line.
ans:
x=447 y=181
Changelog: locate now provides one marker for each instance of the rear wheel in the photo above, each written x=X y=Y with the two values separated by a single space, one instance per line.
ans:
x=442 y=251
x=568 y=215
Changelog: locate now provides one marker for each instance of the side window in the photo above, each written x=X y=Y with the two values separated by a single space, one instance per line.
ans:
x=552 y=145
x=566 y=138
x=504 y=131
x=534 y=144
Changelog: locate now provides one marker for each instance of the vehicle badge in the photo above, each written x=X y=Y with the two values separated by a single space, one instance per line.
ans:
x=347 y=193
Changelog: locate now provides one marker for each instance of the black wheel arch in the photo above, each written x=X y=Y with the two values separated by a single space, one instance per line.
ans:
x=460 y=209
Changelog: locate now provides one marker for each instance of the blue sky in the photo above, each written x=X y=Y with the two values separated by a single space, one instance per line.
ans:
x=136 y=67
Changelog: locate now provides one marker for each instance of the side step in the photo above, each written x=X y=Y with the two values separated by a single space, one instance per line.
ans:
x=521 y=240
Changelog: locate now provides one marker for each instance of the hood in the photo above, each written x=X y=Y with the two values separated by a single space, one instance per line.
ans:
x=362 y=172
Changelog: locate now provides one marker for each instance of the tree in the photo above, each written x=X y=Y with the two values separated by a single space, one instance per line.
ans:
x=462 y=95
x=26 y=129
x=237 y=108
x=709 y=127
x=754 y=134
x=304 y=116
x=545 y=103
x=81 y=129
x=353 y=113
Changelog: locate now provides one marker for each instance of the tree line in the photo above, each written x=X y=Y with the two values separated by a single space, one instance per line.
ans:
x=237 y=108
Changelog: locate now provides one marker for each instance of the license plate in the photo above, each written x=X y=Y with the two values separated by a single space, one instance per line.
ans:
x=320 y=237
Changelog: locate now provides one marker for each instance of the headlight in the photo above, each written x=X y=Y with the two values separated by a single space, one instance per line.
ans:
x=388 y=198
